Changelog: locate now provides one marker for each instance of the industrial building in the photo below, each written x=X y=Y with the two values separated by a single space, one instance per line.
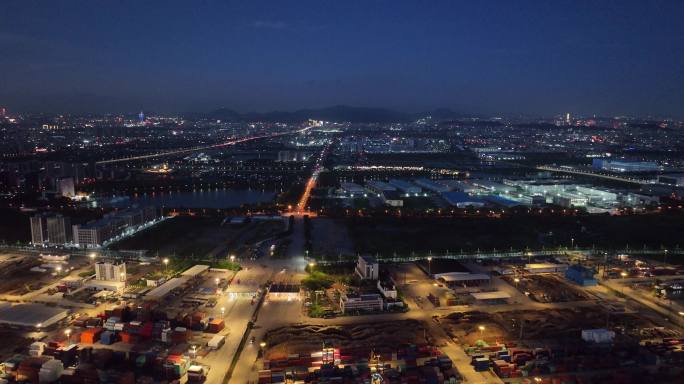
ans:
x=31 y=315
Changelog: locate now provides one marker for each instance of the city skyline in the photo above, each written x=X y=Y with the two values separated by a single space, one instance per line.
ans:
x=532 y=58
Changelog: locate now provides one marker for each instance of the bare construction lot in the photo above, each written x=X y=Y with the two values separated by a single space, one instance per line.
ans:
x=303 y=339
x=541 y=325
x=547 y=288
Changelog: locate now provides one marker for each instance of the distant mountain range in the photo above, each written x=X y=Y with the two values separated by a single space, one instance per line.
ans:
x=335 y=113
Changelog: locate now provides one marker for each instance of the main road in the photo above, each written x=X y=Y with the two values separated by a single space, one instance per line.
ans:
x=203 y=147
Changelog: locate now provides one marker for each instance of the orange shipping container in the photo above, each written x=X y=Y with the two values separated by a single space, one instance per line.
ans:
x=91 y=335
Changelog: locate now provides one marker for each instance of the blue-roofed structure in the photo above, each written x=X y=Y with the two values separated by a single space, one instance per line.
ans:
x=581 y=275
x=462 y=199
x=501 y=201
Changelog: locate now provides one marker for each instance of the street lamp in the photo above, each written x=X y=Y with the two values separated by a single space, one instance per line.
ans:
x=223 y=311
x=482 y=329
x=623 y=274
x=232 y=258
x=67 y=332
x=166 y=263
x=92 y=256
x=572 y=242
x=429 y=259
x=516 y=280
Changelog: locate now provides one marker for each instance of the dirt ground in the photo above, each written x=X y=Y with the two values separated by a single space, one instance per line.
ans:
x=549 y=324
x=16 y=278
x=305 y=339
x=548 y=288
x=13 y=342
x=331 y=238
x=198 y=237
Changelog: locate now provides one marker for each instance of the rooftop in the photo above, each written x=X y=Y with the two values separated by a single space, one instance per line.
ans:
x=31 y=315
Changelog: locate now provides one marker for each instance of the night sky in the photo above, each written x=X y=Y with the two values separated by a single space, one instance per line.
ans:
x=491 y=57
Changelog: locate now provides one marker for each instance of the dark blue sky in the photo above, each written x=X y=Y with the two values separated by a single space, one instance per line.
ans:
x=534 y=57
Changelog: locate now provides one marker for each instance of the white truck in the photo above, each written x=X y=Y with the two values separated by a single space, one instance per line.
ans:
x=216 y=342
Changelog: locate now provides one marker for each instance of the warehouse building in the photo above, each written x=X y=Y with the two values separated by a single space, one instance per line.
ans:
x=353 y=189
x=405 y=186
x=462 y=200
x=31 y=315
x=462 y=279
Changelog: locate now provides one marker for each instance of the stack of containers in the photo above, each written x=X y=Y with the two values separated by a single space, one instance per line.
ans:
x=480 y=364
x=50 y=371
x=180 y=335
x=265 y=376
x=29 y=369
x=67 y=355
x=108 y=337
x=91 y=335
x=37 y=348
x=158 y=328
x=175 y=367
x=503 y=369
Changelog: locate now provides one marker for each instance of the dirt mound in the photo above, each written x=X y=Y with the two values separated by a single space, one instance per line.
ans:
x=303 y=339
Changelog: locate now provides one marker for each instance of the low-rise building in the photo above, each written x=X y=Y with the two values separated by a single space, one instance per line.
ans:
x=371 y=302
x=379 y=187
x=387 y=289
x=392 y=198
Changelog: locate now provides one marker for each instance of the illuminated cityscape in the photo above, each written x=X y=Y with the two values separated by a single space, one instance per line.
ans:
x=372 y=192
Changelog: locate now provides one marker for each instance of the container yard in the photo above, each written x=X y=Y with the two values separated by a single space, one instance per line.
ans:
x=395 y=352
